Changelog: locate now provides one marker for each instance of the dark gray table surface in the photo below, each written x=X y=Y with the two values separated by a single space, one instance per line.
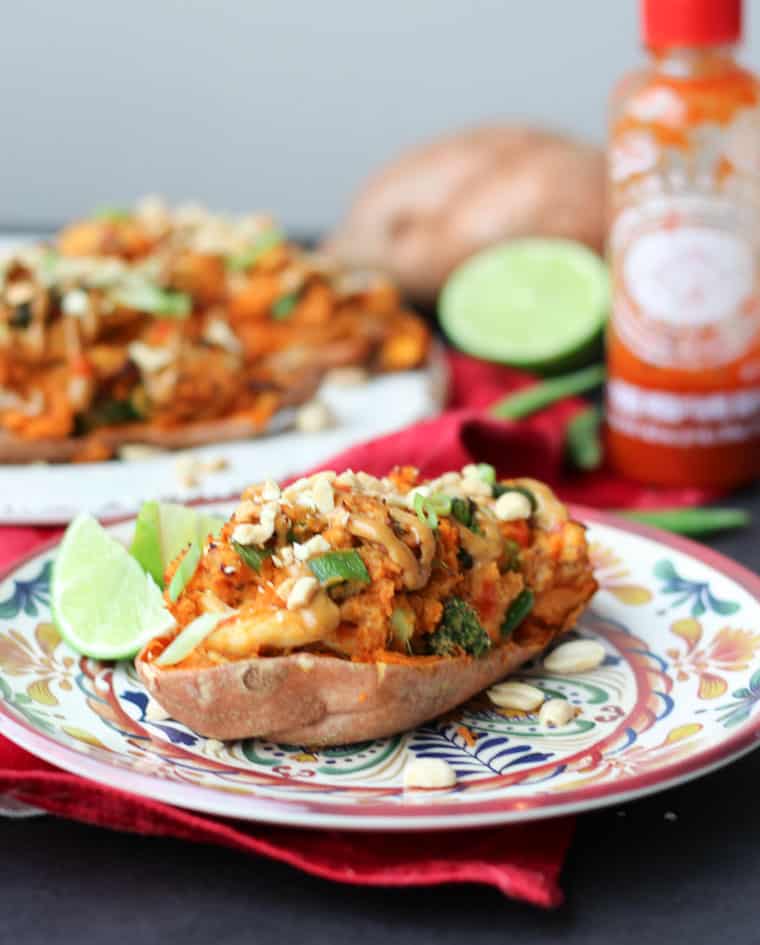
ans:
x=633 y=876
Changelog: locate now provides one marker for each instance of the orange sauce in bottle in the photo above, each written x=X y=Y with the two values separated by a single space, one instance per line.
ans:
x=683 y=348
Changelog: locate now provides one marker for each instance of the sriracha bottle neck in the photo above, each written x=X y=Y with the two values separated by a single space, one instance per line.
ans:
x=693 y=61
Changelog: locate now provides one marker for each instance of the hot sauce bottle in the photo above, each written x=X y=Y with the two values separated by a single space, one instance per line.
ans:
x=683 y=348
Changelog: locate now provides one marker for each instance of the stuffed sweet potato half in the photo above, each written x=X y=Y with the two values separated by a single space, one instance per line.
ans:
x=175 y=328
x=347 y=607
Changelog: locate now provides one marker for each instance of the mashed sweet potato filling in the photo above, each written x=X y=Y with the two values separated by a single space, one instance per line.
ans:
x=166 y=317
x=383 y=570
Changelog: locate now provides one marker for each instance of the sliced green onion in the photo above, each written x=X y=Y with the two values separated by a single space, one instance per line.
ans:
x=185 y=571
x=439 y=503
x=692 y=521
x=48 y=267
x=512 y=554
x=499 y=490
x=429 y=507
x=535 y=398
x=519 y=609
x=111 y=213
x=425 y=515
x=146 y=297
x=251 y=254
x=582 y=440
x=284 y=306
x=463 y=511
x=188 y=638
x=486 y=472
x=338 y=566
x=253 y=557
x=402 y=625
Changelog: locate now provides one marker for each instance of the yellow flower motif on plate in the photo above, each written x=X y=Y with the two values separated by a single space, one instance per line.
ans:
x=730 y=650
x=19 y=657
x=611 y=573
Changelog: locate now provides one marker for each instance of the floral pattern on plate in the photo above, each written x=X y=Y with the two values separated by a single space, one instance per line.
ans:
x=678 y=692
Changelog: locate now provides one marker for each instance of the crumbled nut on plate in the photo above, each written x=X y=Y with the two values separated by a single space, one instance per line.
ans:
x=555 y=713
x=132 y=452
x=516 y=695
x=214 y=464
x=213 y=745
x=314 y=417
x=576 y=656
x=191 y=470
x=188 y=471
x=429 y=773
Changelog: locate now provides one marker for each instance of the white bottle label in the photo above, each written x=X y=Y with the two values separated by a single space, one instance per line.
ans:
x=684 y=420
x=686 y=292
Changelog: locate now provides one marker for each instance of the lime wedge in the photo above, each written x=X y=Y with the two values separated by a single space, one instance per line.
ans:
x=104 y=604
x=163 y=530
x=538 y=304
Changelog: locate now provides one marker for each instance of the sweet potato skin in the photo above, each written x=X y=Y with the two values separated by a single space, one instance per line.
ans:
x=423 y=213
x=17 y=449
x=310 y=699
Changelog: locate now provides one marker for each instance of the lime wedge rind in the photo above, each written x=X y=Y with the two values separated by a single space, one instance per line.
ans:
x=103 y=603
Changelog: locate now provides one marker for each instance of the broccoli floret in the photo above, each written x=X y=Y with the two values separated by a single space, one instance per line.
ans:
x=459 y=631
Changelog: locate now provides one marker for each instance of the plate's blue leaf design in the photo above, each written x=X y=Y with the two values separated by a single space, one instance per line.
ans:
x=471 y=753
x=28 y=596
x=140 y=699
x=697 y=592
x=177 y=736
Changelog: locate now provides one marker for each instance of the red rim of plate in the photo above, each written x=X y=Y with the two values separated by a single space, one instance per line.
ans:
x=319 y=813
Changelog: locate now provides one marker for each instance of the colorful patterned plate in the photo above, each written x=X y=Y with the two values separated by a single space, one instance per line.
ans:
x=677 y=696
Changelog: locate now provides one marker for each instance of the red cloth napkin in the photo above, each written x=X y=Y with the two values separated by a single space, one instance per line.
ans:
x=530 y=447
x=523 y=861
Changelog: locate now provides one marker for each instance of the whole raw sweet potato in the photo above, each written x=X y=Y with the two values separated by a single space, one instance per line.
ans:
x=435 y=205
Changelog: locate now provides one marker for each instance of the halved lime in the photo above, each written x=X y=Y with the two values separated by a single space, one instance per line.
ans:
x=104 y=604
x=538 y=304
x=163 y=530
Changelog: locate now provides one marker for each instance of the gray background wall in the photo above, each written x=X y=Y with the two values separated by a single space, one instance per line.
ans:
x=280 y=105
